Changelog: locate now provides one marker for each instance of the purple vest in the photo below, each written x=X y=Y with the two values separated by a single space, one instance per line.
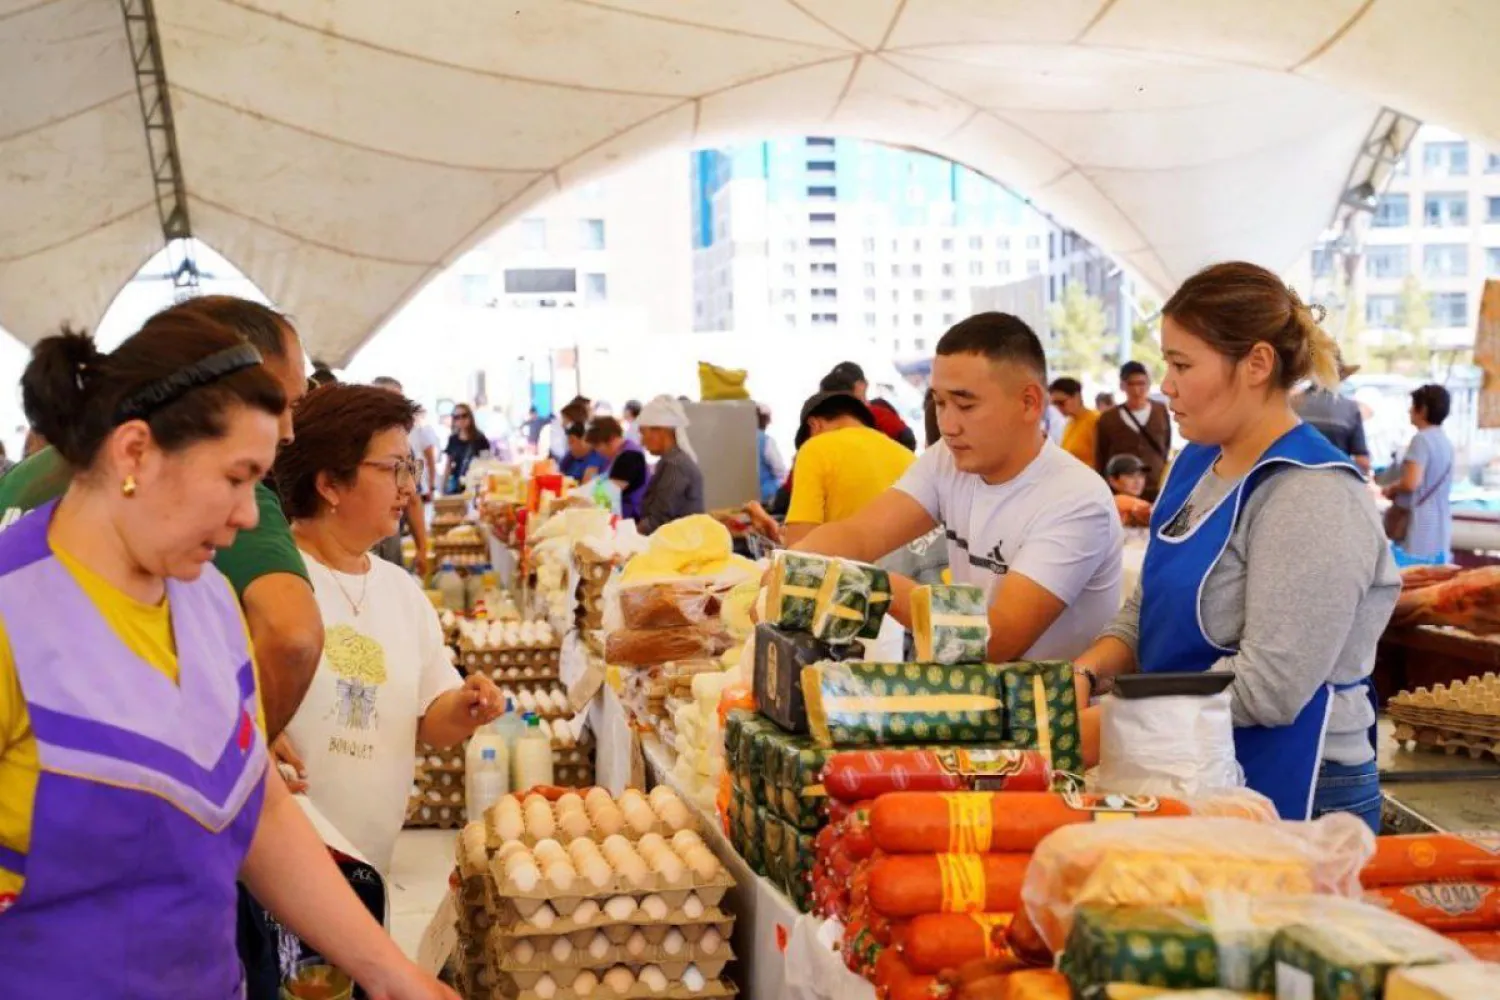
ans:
x=630 y=503
x=148 y=796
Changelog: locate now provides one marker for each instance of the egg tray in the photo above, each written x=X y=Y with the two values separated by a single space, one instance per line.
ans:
x=489 y=657
x=576 y=776
x=715 y=989
x=712 y=966
x=423 y=816
x=494 y=840
x=523 y=982
x=506 y=899
x=528 y=678
x=618 y=931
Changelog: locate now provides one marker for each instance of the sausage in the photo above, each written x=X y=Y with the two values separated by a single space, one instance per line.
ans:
x=1443 y=906
x=936 y=942
x=1432 y=857
x=982 y=822
x=911 y=885
x=895 y=981
x=865 y=774
x=1025 y=942
x=1038 y=984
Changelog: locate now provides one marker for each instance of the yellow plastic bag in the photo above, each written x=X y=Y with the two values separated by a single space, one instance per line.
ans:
x=717 y=384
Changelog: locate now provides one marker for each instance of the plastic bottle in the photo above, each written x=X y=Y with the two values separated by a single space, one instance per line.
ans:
x=474 y=587
x=532 y=763
x=486 y=770
x=510 y=726
x=451 y=586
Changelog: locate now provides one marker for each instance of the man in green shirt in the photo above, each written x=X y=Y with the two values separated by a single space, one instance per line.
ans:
x=263 y=565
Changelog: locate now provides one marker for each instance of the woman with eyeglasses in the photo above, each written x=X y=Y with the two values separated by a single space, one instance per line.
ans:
x=466 y=443
x=384 y=680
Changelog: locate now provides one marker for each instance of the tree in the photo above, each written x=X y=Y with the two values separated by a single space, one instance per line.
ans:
x=1078 y=332
x=1406 y=345
x=1145 y=339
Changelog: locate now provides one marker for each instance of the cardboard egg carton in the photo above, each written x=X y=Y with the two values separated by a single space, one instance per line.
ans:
x=421 y=813
x=1473 y=695
x=617 y=931
x=658 y=826
x=504 y=658
x=510 y=904
x=520 y=985
x=584 y=956
x=574 y=775
x=431 y=760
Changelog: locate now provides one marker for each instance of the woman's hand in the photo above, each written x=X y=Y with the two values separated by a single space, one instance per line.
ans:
x=406 y=982
x=288 y=760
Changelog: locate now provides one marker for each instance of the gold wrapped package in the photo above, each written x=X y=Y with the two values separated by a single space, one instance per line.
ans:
x=1041 y=709
x=792 y=591
x=1348 y=953
x=851 y=602
x=950 y=624
x=858 y=704
x=1459 y=981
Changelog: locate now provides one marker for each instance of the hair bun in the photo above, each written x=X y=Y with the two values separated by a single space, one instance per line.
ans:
x=55 y=386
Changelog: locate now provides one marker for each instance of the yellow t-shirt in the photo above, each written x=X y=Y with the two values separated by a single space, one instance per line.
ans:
x=839 y=472
x=144 y=628
x=1081 y=437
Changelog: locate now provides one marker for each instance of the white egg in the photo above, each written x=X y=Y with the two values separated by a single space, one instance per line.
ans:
x=705 y=866
x=569 y=801
x=546 y=729
x=620 y=908
x=684 y=839
x=598 y=872
x=711 y=941
x=635 y=945
x=631 y=795
x=510 y=849
x=527 y=700
x=692 y=907
x=615 y=846
x=561 y=875
x=585 y=983
x=675 y=815
x=660 y=794
x=596 y=795
x=608 y=821
x=692 y=979
x=634 y=871
x=598 y=947
x=546 y=987
x=544 y=917
x=548 y=850
x=575 y=825
x=619 y=980
x=562 y=949
x=654 y=907
x=669 y=866
x=674 y=942
x=580 y=849
x=654 y=979
x=651 y=845
x=586 y=912
x=639 y=816
x=516 y=859
x=523 y=952
x=526 y=876
x=539 y=823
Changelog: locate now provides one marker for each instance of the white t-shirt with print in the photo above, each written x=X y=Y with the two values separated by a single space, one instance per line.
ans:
x=1055 y=524
x=357 y=728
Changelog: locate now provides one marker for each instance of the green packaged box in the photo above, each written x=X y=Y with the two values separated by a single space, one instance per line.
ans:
x=736 y=820
x=880 y=601
x=1348 y=954
x=752 y=821
x=801 y=854
x=776 y=834
x=1041 y=709
x=1170 y=947
x=801 y=799
x=762 y=745
x=858 y=704
x=734 y=730
x=792 y=590
x=843 y=603
x=950 y=624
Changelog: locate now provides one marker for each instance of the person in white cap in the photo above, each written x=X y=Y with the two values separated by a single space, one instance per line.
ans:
x=676 y=486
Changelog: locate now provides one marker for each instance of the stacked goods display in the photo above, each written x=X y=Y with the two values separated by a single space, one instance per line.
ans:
x=564 y=909
x=463 y=545
x=1448 y=882
x=437 y=796
x=594 y=571
x=1463 y=716
x=1447 y=596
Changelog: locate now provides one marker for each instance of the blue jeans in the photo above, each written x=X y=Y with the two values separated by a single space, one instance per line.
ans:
x=1350 y=788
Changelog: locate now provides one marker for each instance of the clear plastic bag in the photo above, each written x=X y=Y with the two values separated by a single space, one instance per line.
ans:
x=1180 y=862
x=667 y=605
x=652 y=646
x=1176 y=747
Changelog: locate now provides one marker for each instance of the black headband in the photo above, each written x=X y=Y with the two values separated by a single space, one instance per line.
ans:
x=164 y=391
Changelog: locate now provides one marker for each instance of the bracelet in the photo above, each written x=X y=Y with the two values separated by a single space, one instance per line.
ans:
x=1093 y=679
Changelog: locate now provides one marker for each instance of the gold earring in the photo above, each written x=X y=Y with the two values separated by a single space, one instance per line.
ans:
x=128 y=486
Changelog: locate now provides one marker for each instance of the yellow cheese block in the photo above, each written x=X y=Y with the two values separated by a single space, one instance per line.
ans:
x=1140 y=878
x=1459 y=981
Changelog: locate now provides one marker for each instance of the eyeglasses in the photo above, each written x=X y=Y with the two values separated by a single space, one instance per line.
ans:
x=403 y=470
x=460 y=415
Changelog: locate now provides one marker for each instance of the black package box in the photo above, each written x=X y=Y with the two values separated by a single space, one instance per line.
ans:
x=779 y=659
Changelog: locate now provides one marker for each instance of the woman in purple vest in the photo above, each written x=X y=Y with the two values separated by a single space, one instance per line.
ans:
x=627 y=460
x=134 y=786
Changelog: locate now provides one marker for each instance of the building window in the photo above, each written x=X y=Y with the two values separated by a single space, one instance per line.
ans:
x=947 y=270
x=869 y=294
x=816 y=191
x=823 y=243
x=1387 y=262
x=1322 y=262
x=869 y=269
x=1002 y=268
x=916 y=319
x=949 y=319
x=919 y=295
x=820 y=166
x=947 y=246
x=821 y=218
x=789 y=269
x=1445 y=159
x=895 y=246
x=947 y=295
x=790 y=319
x=595 y=288
x=1446 y=208
x=916 y=245
x=1492 y=210
x=1033 y=267
x=976 y=242
x=1449 y=308
x=474 y=289
x=789 y=295
x=820 y=142
x=1033 y=243
x=541 y=281
x=869 y=244
x=1002 y=243
x=919 y=344
x=916 y=270
x=534 y=234
x=591 y=234
x=1380 y=310
x=870 y=319
x=791 y=246
x=1445 y=260
x=825 y=294
x=895 y=270
x=1392 y=211
x=824 y=267
x=1492 y=262
x=976 y=268
x=895 y=295
x=825 y=319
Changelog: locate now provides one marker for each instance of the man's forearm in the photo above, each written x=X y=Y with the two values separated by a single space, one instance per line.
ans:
x=837 y=538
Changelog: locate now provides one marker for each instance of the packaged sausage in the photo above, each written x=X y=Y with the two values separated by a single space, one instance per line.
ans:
x=1456 y=981
x=1434 y=857
x=1349 y=951
x=1483 y=945
x=911 y=885
x=1038 y=984
x=1180 y=863
x=980 y=822
x=858 y=704
x=950 y=624
x=938 y=941
x=1443 y=906
x=1041 y=710
x=792 y=590
x=895 y=981
x=856 y=775
x=654 y=646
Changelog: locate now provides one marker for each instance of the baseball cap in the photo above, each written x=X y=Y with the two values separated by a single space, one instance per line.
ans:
x=820 y=401
x=1124 y=465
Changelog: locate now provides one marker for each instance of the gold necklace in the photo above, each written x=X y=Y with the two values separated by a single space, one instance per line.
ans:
x=364 y=590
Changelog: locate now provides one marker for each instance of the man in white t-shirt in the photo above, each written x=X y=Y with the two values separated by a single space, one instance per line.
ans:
x=1023 y=519
x=424 y=448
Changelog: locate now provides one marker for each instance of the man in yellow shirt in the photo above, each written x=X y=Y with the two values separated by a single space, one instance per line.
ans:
x=1081 y=436
x=842 y=463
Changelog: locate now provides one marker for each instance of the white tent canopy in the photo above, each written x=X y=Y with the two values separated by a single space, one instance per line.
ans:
x=343 y=152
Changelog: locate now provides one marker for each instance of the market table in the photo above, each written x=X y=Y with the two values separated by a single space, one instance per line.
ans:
x=1427 y=790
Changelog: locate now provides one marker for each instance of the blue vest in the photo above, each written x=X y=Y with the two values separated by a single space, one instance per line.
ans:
x=1280 y=762
x=768 y=481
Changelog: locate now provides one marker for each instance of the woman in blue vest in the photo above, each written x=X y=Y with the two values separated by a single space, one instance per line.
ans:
x=1267 y=557
x=134 y=786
